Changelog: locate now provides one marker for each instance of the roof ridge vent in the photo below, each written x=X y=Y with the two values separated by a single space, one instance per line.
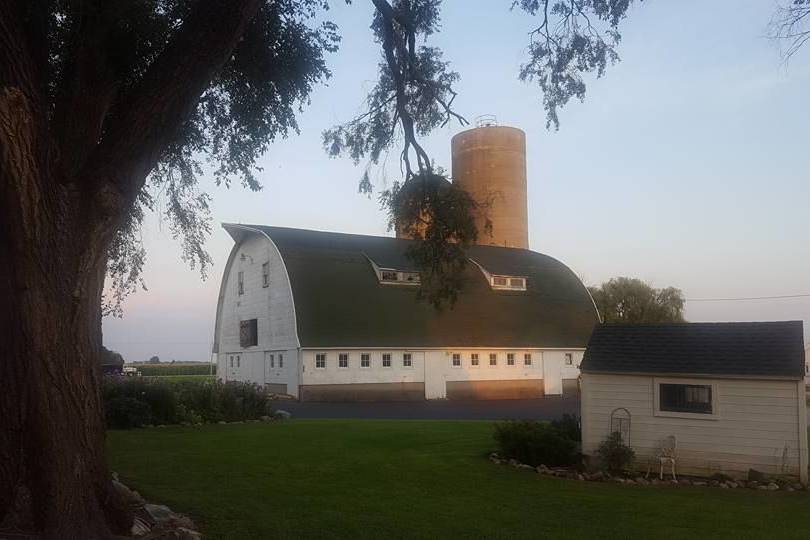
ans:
x=486 y=120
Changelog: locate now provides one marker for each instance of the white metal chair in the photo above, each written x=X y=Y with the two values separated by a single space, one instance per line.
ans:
x=667 y=453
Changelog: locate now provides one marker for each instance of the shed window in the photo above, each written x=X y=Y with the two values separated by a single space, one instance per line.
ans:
x=569 y=359
x=510 y=359
x=320 y=361
x=343 y=360
x=456 y=360
x=240 y=280
x=689 y=398
x=266 y=274
x=407 y=360
x=527 y=359
x=493 y=359
x=386 y=360
x=248 y=333
x=389 y=275
x=365 y=360
x=272 y=361
x=281 y=360
x=474 y=359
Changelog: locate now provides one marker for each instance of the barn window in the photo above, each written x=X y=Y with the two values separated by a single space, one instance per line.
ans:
x=386 y=360
x=456 y=360
x=493 y=359
x=266 y=274
x=569 y=359
x=527 y=359
x=365 y=360
x=407 y=360
x=281 y=360
x=231 y=359
x=343 y=360
x=510 y=359
x=474 y=359
x=509 y=283
x=241 y=283
x=398 y=277
x=272 y=361
x=248 y=333
x=689 y=398
x=320 y=361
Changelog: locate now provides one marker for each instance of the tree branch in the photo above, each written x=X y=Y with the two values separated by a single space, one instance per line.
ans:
x=150 y=115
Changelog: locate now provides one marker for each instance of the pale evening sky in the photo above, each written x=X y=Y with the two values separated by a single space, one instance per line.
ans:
x=687 y=165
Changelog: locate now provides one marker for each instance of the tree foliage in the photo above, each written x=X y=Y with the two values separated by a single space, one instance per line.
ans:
x=630 y=300
x=414 y=94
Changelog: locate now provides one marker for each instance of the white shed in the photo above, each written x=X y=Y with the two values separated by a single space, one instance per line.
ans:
x=731 y=394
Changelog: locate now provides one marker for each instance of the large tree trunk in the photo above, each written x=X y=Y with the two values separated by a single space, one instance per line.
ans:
x=53 y=242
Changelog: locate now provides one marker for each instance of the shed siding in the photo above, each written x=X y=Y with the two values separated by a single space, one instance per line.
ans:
x=756 y=421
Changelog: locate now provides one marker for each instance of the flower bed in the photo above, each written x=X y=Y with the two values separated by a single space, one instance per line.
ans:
x=720 y=481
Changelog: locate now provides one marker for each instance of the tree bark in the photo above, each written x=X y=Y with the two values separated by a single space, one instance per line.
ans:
x=53 y=475
x=56 y=227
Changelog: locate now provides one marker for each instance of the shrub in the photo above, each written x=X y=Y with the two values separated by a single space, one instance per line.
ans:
x=614 y=455
x=569 y=426
x=535 y=443
x=188 y=401
x=126 y=412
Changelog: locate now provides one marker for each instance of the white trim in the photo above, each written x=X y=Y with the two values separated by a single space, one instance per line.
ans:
x=283 y=264
x=692 y=375
x=658 y=381
x=802 y=404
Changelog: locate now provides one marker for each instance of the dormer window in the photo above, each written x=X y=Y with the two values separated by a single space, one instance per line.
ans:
x=502 y=282
x=508 y=283
x=398 y=277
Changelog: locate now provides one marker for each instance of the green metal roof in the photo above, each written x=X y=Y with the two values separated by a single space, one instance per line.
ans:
x=340 y=303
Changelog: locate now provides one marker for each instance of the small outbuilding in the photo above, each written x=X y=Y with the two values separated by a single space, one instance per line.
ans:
x=729 y=396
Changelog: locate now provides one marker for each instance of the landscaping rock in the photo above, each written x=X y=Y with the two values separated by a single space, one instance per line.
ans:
x=762 y=488
x=513 y=462
x=542 y=469
x=580 y=477
x=797 y=486
x=222 y=422
x=723 y=486
x=772 y=486
x=597 y=476
x=642 y=481
x=282 y=415
x=158 y=513
x=618 y=480
x=524 y=466
x=699 y=483
x=732 y=484
x=132 y=498
x=788 y=488
x=266 y=418
x=139 y=527
x=756 y=475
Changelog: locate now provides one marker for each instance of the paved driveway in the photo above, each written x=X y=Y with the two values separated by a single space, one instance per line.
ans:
x=548 y=408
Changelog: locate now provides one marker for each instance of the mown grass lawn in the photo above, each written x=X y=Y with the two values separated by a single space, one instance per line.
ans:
x=413 y=479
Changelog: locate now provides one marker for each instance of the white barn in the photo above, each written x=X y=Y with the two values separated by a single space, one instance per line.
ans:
x=731 y=394
x=330 y=316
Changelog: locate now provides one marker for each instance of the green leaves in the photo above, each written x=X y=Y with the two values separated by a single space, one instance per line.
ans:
x=630 y=300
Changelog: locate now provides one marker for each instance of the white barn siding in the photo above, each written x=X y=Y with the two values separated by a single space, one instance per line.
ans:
x=271 y=306
x=755 y=421
x=434 y=368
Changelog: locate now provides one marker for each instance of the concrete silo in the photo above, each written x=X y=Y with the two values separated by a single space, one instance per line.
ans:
x=489 y=163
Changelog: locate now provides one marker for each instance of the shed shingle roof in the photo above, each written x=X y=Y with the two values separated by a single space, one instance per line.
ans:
x=754 y=349
x=340 y=303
